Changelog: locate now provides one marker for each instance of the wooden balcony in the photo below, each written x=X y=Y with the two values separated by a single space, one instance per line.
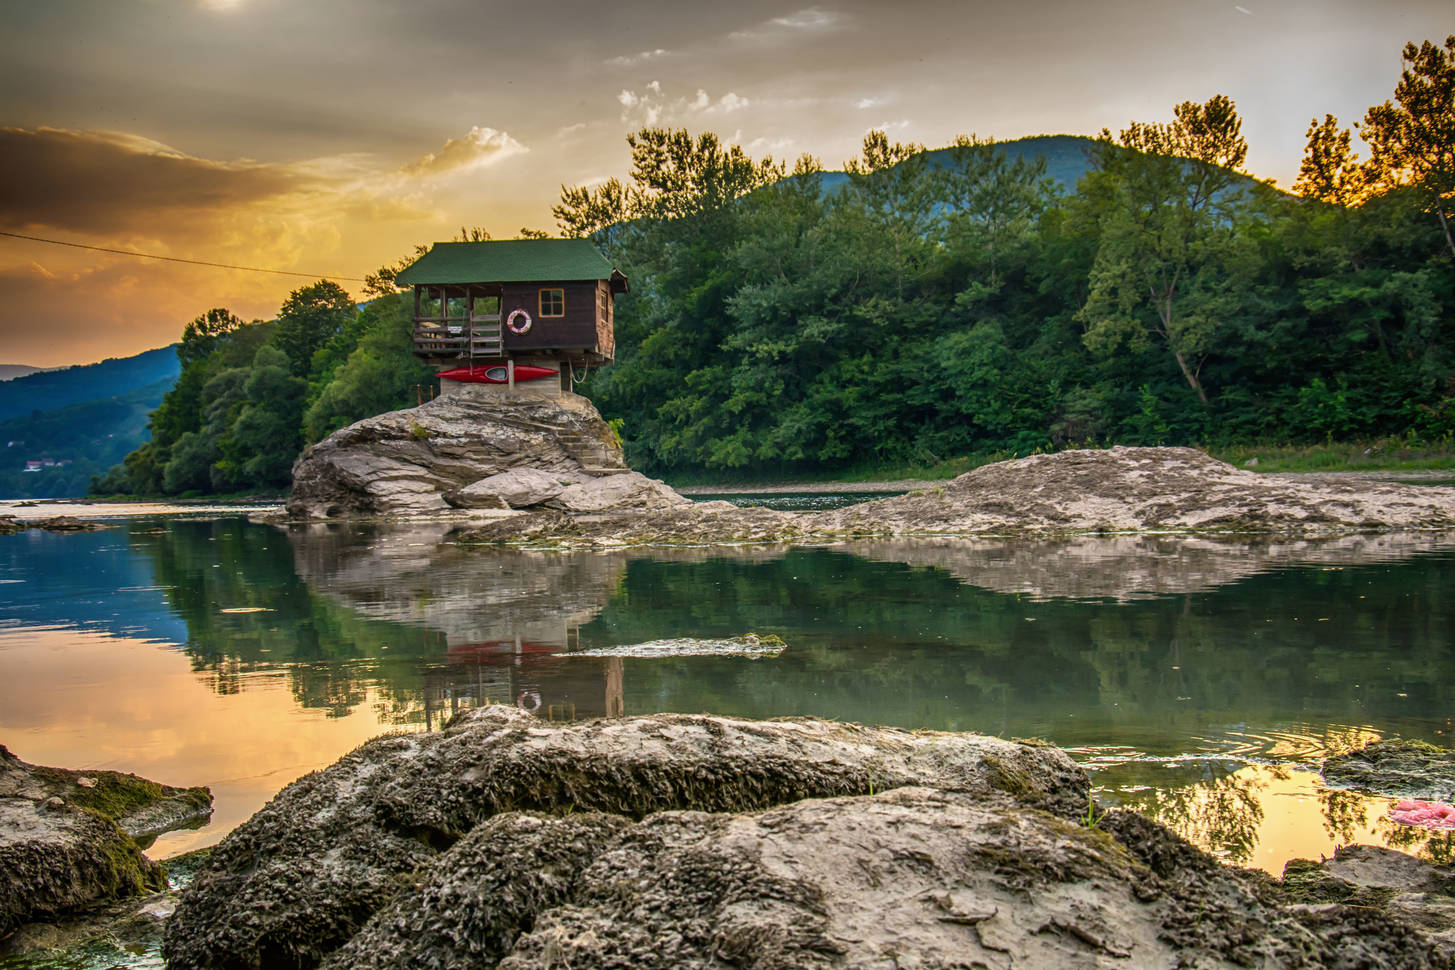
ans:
x=480 y=338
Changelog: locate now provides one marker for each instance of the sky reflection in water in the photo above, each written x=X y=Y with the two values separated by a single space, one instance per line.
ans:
x=1199 y=680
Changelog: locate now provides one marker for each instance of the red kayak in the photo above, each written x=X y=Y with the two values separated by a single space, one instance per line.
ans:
x=496 y=374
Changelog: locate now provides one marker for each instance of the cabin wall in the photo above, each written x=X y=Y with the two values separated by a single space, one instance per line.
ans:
x=605 y=319
x=578 y=328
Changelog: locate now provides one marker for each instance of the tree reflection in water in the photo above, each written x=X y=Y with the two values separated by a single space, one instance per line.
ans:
x=1221 y=815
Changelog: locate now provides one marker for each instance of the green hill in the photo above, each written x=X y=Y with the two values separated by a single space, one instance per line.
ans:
x=73 y=443
x=52 y=389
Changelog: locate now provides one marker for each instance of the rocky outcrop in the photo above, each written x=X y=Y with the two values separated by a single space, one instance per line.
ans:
x=701 y=842
x=1418 y=893
x=303 y=875
x=1402 y=769
x=68 y=839
x=1074 y=492
x=1141 y=489
x=557 y=459
x=471 y=452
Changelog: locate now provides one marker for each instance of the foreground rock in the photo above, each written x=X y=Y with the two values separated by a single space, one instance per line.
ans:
x=1416 y=892
x=697 y=842
x=1401 y=769
x=464 y=451
x=69 y=839
x=303 y=875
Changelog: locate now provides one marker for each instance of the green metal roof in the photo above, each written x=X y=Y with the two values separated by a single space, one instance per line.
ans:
x=507 y=261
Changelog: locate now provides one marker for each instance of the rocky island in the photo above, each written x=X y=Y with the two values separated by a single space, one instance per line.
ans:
x=536 y=469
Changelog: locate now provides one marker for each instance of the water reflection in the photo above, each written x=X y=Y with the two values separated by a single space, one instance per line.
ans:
x=1179 y=668
x=1131 y=567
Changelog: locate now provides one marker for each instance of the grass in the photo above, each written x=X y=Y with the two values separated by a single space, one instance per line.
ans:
x=1361 y=456
x=1386 y=454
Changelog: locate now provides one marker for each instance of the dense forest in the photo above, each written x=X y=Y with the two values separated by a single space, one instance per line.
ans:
x=921 y=306
x=250 y=395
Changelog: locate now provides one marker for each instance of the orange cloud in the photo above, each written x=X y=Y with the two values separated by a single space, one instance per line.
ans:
x=104 y=182
x=482 y=146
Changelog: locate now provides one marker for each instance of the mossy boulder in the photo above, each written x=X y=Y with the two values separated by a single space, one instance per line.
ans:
x=1398 y=768
x=68 y=839
x=707 y=842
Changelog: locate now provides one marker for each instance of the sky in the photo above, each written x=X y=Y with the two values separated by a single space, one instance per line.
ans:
x=330 y=137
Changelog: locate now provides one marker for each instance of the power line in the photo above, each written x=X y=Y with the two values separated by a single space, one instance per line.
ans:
x=179 y=259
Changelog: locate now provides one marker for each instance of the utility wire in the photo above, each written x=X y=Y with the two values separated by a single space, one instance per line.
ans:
x=178 y=259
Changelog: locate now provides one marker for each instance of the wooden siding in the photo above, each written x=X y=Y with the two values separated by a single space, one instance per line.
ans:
x=579 y=327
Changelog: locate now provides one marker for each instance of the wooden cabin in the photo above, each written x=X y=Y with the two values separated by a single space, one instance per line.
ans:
x=505 y=313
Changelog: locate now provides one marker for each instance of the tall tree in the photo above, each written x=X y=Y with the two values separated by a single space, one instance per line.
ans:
x=1412 y=139
x=1167 y=235
x=307 y=319
x=1330 y=171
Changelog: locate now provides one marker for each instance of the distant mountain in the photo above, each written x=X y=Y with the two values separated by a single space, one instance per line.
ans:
x=1068 y=157
x=53 y=454
x=51 y=389
x=8 y=372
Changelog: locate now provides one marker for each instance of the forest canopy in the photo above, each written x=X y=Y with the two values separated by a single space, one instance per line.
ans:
x=923 y=305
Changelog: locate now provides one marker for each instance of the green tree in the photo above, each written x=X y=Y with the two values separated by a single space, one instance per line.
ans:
x=379 y=374
x=307 y=319
x=1168 y=237
x=1330 y=171
x=1412 y=139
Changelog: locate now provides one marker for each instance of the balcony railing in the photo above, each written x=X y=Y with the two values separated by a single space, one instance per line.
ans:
x=480 y=338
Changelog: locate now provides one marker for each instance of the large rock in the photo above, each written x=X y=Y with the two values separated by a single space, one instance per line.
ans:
x=914 y=877
x=1073 y=492
x=68 y=838
x=518 y=488
x=1139 y=489
x=1402 y=769
x=405 y=462
x=302 y=876
x=627 y=491
x=1417 y=892
x=707 y=842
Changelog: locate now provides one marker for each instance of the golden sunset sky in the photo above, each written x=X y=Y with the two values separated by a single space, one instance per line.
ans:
x=332 y=136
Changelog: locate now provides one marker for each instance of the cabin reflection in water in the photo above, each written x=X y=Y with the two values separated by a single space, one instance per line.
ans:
x=531 y=675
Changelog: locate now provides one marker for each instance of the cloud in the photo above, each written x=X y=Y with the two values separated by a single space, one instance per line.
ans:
x=652 y=105
x=768 y=146
x=863 y=103
x=105 y=181
x=1243 y=10
x=811 y=18
x=481 y=147
x=807 y=20
x=889 y=126
x=632 y=60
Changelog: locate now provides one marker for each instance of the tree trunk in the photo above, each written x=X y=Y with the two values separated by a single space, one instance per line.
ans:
x=1445 y=225
x=1192 y=380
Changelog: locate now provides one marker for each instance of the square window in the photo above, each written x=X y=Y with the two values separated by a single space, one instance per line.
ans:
x=553 y=303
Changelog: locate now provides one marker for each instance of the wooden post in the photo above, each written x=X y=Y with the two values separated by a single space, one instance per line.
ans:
x=510 y=372
x=418 y=395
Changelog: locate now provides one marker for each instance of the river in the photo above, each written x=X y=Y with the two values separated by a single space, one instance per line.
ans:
x=1198 y=680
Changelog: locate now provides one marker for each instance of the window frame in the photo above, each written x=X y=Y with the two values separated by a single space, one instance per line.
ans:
x=541 y=301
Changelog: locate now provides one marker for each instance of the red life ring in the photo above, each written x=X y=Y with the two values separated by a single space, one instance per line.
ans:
x=514 y=320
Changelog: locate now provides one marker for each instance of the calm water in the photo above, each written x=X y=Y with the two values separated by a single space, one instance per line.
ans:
x=1199 y=680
